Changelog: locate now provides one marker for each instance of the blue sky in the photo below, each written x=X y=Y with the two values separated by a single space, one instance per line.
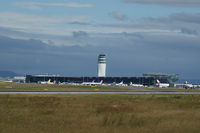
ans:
x=137 y=36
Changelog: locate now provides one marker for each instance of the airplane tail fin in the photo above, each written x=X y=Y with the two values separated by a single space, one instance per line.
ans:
x=49 y=81
x=158 y=82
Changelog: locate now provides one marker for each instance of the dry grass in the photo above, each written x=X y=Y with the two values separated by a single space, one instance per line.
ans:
x=56 y=87
x=100 y=113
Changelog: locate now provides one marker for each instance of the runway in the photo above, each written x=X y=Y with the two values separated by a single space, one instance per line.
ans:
x=97 y=92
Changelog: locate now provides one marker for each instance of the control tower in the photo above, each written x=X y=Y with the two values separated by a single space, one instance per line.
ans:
x=102 y=65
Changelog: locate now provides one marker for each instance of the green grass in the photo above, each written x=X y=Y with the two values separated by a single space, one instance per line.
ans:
x=100 y=113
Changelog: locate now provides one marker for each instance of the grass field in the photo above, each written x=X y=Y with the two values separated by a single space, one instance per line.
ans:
x=100 y=113
x=53 y=87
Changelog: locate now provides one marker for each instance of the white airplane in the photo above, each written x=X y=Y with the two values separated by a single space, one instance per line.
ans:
x=47 y=82
x=93 y=83
x=6 y=81
x=161 y=85
x=136 y=85
x=187 y=85
x=118 y=84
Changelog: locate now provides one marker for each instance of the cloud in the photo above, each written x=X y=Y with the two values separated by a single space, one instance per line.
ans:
x=79 y=34
x=118 y=16
x=165 y=53
x=189 y=31
x=32 y=23
x=171 y=3
x=174 y=23
x=78 y=5
x=184 y=17
x=79 y=23
x=39 y=5
x=77 y=31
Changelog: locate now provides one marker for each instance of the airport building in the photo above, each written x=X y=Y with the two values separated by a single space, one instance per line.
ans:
x=147 y=79
x=164 y=78
x=60 y=79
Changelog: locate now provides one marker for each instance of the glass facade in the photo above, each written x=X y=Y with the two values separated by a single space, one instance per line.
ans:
x=147 y=79
x=164 y=78
x=136 y=80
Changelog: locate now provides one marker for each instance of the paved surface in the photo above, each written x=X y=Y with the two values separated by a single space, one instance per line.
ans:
x=97 y=92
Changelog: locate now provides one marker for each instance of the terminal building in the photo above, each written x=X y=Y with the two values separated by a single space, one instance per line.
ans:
x=147 y=79
x=164 y=78
x=61 y=79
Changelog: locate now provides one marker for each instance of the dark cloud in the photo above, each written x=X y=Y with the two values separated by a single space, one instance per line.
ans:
x=118 y=16
x=184 y=17
x=178 y=22
x=35 y=57
x=79 y=34
x=79 y=23
x=189 y=31
x=168 y=45
x=171 y=3
x=9 y=44
x=127 y=55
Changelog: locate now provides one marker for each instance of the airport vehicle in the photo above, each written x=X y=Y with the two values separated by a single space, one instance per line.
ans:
x=161 y=85
x=136 y=85
x=92 y=83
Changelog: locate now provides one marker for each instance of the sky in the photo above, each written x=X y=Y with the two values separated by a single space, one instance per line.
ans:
x=65 y=37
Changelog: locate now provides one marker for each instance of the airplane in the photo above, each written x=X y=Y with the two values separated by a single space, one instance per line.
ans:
x=136 y=85
x=161 y=85
x=118 y=84
x=92 y=83
x=187 y=85
x=47 y=82
x=6 y=81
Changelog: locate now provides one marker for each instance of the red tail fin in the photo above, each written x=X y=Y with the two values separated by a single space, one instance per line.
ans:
x=158 y=81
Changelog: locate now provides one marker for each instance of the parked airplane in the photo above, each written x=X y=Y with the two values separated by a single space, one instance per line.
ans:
x=118 y=84
x=47 y=82
x=6 y=81
x=136 y=85
x=187 y=85
x=161 y=85
x=92 y=83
